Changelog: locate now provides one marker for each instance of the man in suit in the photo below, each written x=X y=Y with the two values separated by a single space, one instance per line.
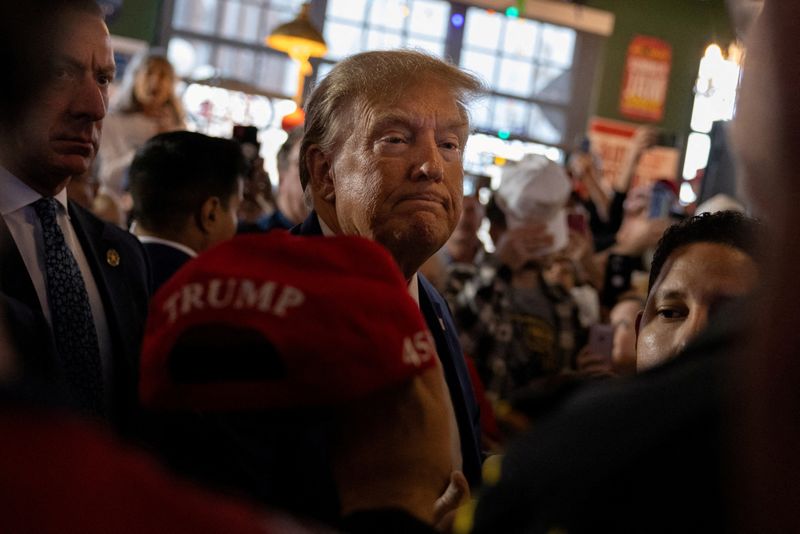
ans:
x=186 y=188
x=88 y=279
x=382 y=158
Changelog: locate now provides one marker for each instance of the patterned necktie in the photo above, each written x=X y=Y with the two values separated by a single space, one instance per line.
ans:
x=71 y=314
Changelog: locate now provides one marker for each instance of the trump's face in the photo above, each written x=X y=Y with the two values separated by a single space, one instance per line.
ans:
x=397 y=178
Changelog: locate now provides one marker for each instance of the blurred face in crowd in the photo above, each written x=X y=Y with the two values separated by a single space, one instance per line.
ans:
x=623 y=319
x=470 y=221
x=291 y=199
x=154 y=84
x=58 y=136
x=398 y=177
x=694 y=281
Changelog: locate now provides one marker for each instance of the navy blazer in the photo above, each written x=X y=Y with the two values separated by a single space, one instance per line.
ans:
x=124 y=287
x=440 y=322
x=165 y=261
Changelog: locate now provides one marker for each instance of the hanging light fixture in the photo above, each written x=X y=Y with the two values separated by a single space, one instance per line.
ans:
x=301 y=41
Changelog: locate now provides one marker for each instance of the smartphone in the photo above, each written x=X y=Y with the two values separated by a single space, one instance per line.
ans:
x=661 y=199
x=601 y=340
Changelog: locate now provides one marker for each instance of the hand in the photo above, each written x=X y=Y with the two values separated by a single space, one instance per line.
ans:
x=644 y=137
x=639 y=233
x=393 y=450
x=524 y=243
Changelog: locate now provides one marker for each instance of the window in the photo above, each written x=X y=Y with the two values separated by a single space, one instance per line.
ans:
x=355 y=26
x=528 y=66
x=539 y=74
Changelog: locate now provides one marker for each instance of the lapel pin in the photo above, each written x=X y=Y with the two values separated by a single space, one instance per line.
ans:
x=112 y=257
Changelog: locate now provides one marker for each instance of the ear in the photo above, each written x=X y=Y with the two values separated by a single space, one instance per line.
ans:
x=209 y=214
x=320 y=168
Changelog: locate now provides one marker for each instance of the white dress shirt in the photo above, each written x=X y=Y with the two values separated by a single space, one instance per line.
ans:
x=16 y=199
x=174 y=244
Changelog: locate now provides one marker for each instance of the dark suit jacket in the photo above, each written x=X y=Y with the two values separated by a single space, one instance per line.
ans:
x=165 y=261
x=439 y=321
x=124 y=288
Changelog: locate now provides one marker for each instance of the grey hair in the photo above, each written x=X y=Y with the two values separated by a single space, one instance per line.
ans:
x=368 y=78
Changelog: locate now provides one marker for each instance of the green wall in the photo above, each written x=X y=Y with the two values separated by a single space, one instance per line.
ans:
x=138 y=19
x=688 y=25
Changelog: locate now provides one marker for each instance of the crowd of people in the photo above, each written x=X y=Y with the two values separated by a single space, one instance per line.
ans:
x=360 y=359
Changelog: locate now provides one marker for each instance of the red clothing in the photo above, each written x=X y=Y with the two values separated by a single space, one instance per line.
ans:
x=59 y=474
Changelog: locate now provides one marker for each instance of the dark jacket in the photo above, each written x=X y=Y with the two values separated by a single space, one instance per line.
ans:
x=165 y=261
x=124 y=287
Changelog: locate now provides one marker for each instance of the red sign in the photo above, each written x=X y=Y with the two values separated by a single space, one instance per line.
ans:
x=611 y=141
x=644 y=85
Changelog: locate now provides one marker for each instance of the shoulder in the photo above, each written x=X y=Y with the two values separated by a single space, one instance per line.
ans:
x=110 y=243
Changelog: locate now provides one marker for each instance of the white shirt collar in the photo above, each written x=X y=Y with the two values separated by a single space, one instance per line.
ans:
x=16 y=194
x=174 y=244
x=413 y=284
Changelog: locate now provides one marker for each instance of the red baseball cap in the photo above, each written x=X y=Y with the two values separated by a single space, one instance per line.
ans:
x=278 y=321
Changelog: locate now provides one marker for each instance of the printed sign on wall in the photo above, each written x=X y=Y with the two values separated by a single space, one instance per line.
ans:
x=646 y=79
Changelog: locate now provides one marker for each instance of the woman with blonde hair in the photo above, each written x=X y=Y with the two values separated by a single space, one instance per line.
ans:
x=144 y=105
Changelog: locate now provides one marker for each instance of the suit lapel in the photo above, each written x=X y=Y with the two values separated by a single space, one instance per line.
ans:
x=14 y=279
x=310 y=226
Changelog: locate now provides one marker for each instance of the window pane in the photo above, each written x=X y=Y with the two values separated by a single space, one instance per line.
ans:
x=380 y=40
x=511 y=115
x=347 y=9
x=240 y=21
x=435 y=48
x=389 y=14
x=549 y=81
x=558 y=45
x=278 y=74
x=196 y=15
x=480 y=113
x=481 y=64
x=236 y=63
x=342 y=40
x=521 y=38
x=546 y=124
x=515 y=77
x=482 y=29
x=429 y=18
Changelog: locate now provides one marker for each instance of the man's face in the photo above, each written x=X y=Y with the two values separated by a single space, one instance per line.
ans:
x=226 y=225
x=59 y=135
x=398 y=177
x=694 y=281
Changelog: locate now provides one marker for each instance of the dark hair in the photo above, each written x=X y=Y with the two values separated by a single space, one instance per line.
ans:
x=363 y=80
x=29 y=33
x=725 y=227
x=495 y=215
x=295 y=136
x=174 y=173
